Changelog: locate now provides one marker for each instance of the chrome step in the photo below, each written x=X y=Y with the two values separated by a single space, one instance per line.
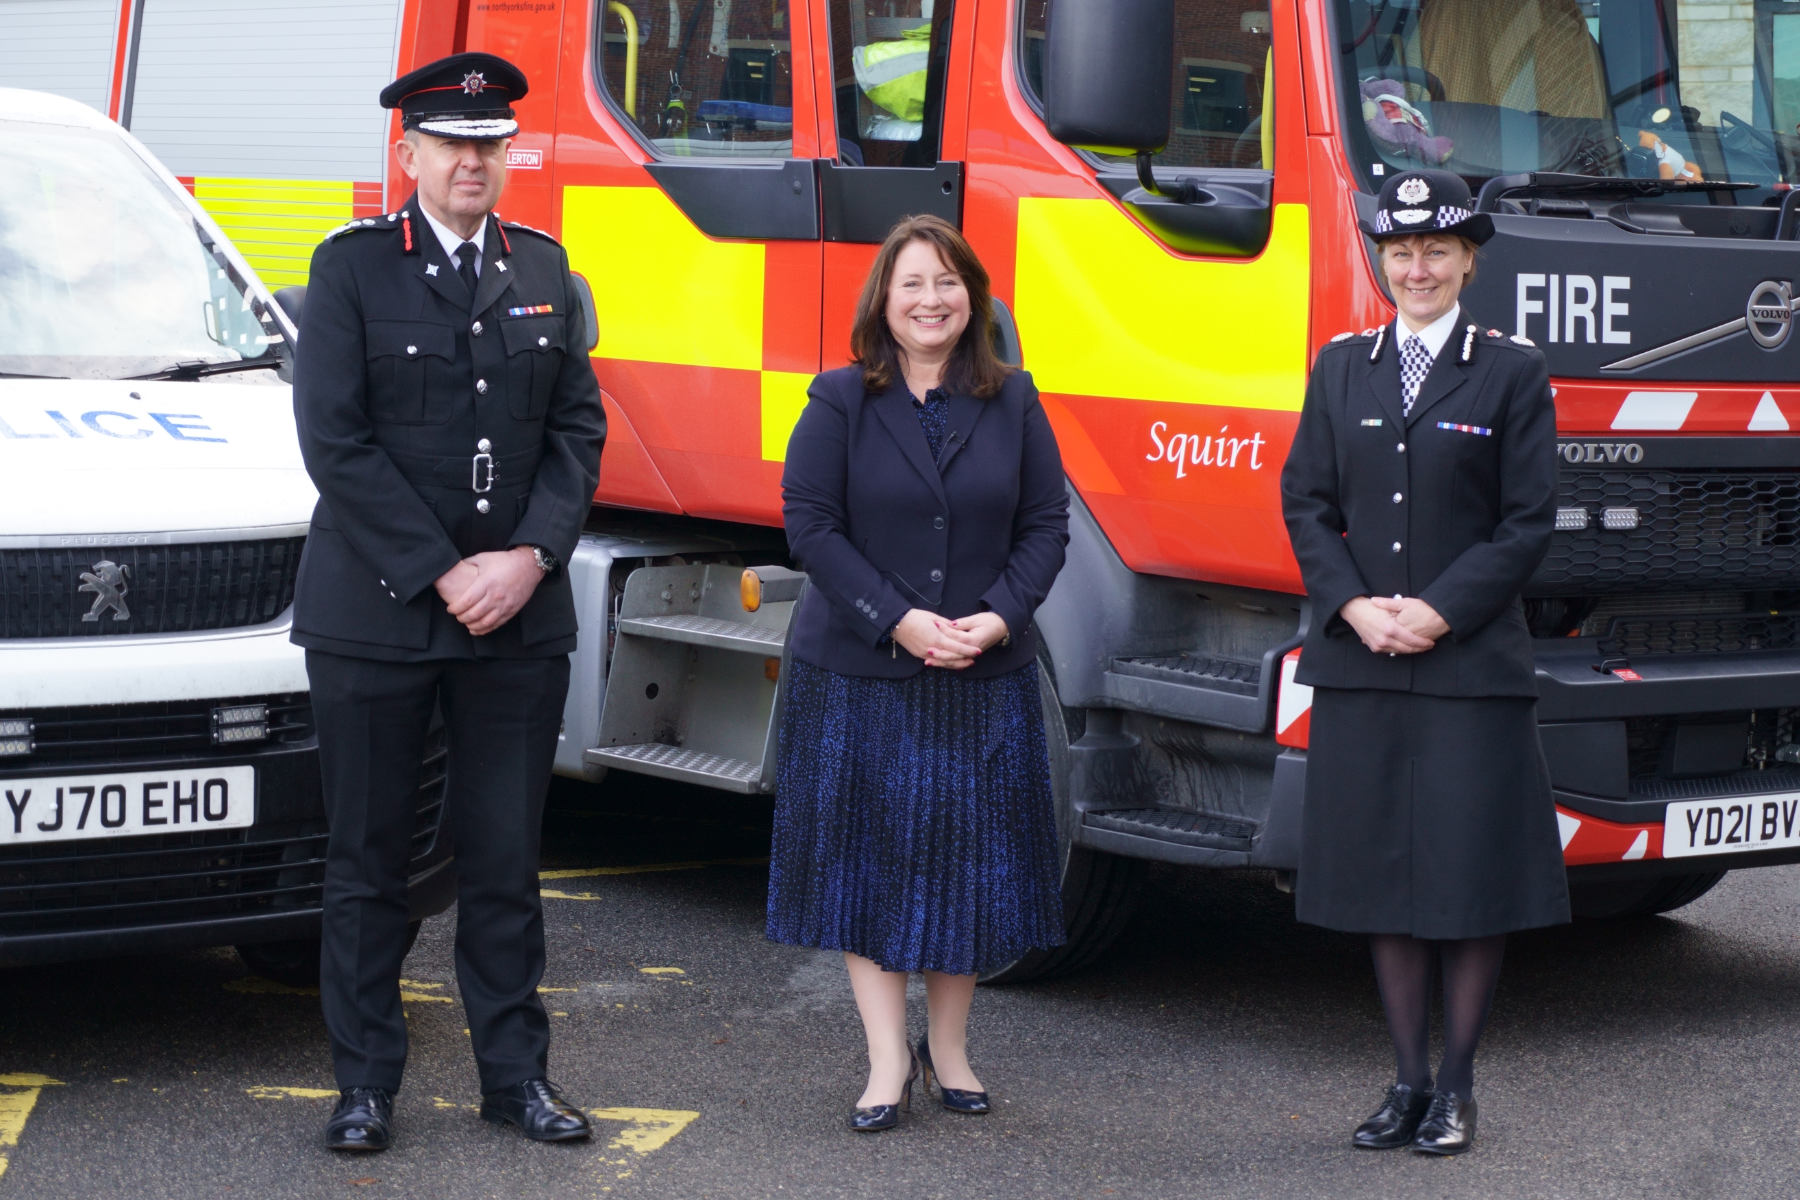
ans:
x=706 y=631
x=1231 y=693
x=1216 y=831
x=679 y=763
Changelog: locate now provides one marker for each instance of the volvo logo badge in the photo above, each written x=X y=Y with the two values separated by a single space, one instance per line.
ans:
x=1770 y=313
x=1601 y=452
x=107 y=582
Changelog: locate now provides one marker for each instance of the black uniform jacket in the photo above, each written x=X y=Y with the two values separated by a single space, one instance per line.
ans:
x=1454 y=504
x=399 y=376
x=880 y=528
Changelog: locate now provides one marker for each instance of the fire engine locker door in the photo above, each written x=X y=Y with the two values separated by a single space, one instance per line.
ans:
x=268 y=112
x=62 y=46
x=888 y=64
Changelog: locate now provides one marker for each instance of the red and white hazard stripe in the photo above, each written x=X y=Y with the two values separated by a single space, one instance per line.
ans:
x=1585 y=839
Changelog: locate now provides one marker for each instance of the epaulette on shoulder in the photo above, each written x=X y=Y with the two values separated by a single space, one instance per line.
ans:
x=390 y=221
x=1498 y=338
x=1352 y=335
x=511 y=224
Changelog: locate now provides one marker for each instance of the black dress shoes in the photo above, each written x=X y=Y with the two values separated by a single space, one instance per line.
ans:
x=957 y=1100
x=361 y=1120
x=535 y=1107
x=1395 y=1123
x=1448 y=1127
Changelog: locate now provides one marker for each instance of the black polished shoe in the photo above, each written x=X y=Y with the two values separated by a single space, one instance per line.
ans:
x=1448 y=1127
x=361 y=1121
x=535 y=1107
x=1395 y=1123
x=878 y=1117
x=957 y=1100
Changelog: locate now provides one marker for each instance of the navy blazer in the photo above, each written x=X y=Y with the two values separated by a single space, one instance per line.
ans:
x=1452 y=503
x=880 y=528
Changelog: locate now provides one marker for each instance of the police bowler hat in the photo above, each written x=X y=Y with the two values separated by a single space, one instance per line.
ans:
x=468 y=96
x=1427 y=202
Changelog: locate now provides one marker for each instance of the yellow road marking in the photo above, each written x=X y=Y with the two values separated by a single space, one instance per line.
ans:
x=646 y=869
x=646 y=1129
x=652 y=868
x=661 y=971
x=16 y=1106
x=291 y=1093
x=256 y=985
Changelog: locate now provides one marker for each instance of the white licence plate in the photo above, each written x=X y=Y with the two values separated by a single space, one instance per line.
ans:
x=62 y=808
x=1730 y=825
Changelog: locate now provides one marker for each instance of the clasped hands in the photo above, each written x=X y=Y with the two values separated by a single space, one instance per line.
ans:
x=485 y=591
x=1394 y=624
x=941 y=642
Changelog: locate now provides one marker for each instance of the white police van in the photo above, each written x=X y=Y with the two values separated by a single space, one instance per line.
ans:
x=158 y=767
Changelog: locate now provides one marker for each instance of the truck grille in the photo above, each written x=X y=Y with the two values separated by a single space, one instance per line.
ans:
x=1711 y=529
x=1640 y=636
x=167 y=589
x=122 y=883
x=121 y=733
x=1769 y=743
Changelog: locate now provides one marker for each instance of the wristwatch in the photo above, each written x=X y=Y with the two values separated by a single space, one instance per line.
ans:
x=546 y=561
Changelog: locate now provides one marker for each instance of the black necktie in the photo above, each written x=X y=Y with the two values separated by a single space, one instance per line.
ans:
x=465 y=266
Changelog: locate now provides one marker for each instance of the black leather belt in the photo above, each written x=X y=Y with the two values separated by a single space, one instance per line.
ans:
x=477 y=472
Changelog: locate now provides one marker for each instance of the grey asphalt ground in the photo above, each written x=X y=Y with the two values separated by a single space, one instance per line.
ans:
x=1220 y=1051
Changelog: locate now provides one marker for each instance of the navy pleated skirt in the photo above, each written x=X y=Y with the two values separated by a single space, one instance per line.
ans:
x=914 y=823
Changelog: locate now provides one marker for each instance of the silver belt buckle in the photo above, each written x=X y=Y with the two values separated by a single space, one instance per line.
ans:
x=477 y=481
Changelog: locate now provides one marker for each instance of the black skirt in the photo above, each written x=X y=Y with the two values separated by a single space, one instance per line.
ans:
x=1428 y=815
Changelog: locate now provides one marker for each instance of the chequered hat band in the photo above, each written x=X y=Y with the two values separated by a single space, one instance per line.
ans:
x=1413 y=220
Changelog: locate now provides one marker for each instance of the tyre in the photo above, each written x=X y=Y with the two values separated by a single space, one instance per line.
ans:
x=295 y=962
x=1100 y=891
x=1639 y=897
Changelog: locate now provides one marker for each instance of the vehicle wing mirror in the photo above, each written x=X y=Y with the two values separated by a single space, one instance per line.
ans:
x=1108 y=66
x=292 y=299
x=590 y=319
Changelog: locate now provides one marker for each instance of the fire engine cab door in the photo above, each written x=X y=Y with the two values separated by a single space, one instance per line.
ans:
x=887 y=62
x=697 y=220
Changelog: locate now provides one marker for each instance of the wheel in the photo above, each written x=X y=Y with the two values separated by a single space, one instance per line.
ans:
x=1099 y=891
x=295 y=962
x=1639 y=897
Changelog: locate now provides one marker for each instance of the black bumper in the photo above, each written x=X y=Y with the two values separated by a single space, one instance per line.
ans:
x=131 y=895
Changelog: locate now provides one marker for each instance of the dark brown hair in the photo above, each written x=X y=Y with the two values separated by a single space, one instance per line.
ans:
x=973 y=368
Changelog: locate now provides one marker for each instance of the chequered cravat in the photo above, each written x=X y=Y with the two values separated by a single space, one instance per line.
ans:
x=1415 y=364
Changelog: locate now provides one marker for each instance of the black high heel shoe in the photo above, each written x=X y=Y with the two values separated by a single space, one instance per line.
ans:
x=957 y=1100
x=878 y=1117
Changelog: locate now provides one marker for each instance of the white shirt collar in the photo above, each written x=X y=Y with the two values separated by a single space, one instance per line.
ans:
x=450 y=241
x=1434 y=334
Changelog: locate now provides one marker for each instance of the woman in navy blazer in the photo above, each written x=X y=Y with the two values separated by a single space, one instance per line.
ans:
x=914 y=827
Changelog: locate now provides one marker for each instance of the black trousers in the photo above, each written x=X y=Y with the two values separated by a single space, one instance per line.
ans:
x=502 y=717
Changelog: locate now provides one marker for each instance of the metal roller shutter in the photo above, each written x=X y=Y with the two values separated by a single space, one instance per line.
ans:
x=61 y=46
x=269 y=107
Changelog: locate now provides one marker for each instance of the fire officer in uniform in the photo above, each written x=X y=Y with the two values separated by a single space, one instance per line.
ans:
x=450 y=419
x=1419 y=497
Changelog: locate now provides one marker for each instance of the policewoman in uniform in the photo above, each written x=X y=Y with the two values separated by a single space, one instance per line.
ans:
x=1419 y=497
x=450 y=419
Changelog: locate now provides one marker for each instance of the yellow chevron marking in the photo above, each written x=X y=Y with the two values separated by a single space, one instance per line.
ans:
x=648 y=264
x=783 y=396
x=275 y=223
x=1105 y=310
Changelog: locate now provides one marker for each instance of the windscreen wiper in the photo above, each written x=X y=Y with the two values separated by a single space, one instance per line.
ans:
x=200 y=367
x=28 y=375
x=1488 y=200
